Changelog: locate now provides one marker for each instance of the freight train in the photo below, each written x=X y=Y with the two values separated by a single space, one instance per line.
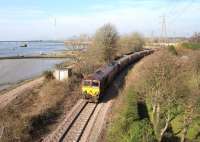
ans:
x=94 y=85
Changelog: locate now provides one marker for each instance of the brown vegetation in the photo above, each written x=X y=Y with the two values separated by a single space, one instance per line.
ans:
x=102 y=50
x=35 y=112
x=31 y=115
x=48 y=75
x=105 y=42
x=195 y=38
x=169 y=84
x=107 y=45
x=130 y=43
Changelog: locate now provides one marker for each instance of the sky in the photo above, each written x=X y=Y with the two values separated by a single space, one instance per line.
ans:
x=62 y=19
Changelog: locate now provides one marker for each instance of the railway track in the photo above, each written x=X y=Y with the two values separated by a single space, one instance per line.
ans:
x=79 y=119
x=72 y=128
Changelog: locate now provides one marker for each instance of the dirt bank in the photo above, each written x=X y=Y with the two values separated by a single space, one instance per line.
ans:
x=6 y=98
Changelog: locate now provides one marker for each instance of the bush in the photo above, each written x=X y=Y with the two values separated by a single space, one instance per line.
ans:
x=172 y=50
x=48 y=75
x=130 y=43
x=128 y=126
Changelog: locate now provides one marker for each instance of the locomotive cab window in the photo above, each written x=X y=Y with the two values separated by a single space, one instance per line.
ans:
x=95 y=83
x=86 y=82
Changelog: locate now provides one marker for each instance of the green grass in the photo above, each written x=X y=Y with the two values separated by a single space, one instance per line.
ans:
x=194 y=130
x=128 y=127
x=191 y=45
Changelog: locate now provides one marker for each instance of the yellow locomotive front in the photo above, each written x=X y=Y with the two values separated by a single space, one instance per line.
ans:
x=91 y=89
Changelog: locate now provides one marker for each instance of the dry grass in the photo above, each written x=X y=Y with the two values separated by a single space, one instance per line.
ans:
x=33 y=113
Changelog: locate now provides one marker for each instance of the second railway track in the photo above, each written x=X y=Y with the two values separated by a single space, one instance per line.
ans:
x=72 y=128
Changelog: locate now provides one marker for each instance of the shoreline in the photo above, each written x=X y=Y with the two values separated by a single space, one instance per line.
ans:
x=53 y=55
x=70 y=55
x=18 y=84
x=11 y=94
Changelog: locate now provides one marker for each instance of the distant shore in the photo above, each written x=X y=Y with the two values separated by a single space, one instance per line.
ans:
x=59 y=55
x=14 y=71
x=17 y=69
x=17 y=84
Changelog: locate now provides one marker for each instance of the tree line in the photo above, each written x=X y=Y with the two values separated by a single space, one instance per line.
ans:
x=106 y=45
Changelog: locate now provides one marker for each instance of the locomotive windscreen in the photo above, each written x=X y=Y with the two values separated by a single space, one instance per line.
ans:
x=95 y=83
x=86 y=82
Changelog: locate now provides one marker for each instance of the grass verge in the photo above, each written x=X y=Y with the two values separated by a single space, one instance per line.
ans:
x=191 y=45
x=130 y=120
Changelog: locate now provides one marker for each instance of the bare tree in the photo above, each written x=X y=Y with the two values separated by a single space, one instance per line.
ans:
x=163 y=87
x=79 y=42
x=131 y=43
x=195 y=38
x=191 y=103
x=191 y=113
x=105 y=41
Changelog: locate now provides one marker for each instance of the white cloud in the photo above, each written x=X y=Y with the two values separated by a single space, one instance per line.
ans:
x=29 y=24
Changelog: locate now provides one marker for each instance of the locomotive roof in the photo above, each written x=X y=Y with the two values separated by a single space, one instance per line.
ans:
x=101 y=72
x=105 y=70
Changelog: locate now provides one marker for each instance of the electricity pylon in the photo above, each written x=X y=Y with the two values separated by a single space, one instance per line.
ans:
x=163 y=30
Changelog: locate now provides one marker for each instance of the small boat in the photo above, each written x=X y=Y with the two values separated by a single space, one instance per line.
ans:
x=42 y=53
x=24 y=45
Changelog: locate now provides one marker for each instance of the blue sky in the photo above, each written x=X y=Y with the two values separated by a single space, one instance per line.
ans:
x=35 y=19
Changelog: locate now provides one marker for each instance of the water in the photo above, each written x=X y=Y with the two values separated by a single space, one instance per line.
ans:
x=13 y=71
x=34 y=48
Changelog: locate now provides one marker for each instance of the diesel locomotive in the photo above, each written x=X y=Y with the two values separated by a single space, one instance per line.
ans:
x=95 y=84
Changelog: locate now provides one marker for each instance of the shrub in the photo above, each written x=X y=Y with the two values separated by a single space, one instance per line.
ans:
x=130 y=43
x=172 y=50
x=128 y=126
x=48 y=75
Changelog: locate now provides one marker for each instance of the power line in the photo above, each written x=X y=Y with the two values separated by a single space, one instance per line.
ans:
x=174 y=13
x=171 y=10
x=181 y=12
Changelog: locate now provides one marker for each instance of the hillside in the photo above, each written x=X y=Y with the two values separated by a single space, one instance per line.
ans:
x=160 y=101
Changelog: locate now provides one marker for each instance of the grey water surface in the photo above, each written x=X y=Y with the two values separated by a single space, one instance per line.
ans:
x=13 y=71
x=13 y=48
